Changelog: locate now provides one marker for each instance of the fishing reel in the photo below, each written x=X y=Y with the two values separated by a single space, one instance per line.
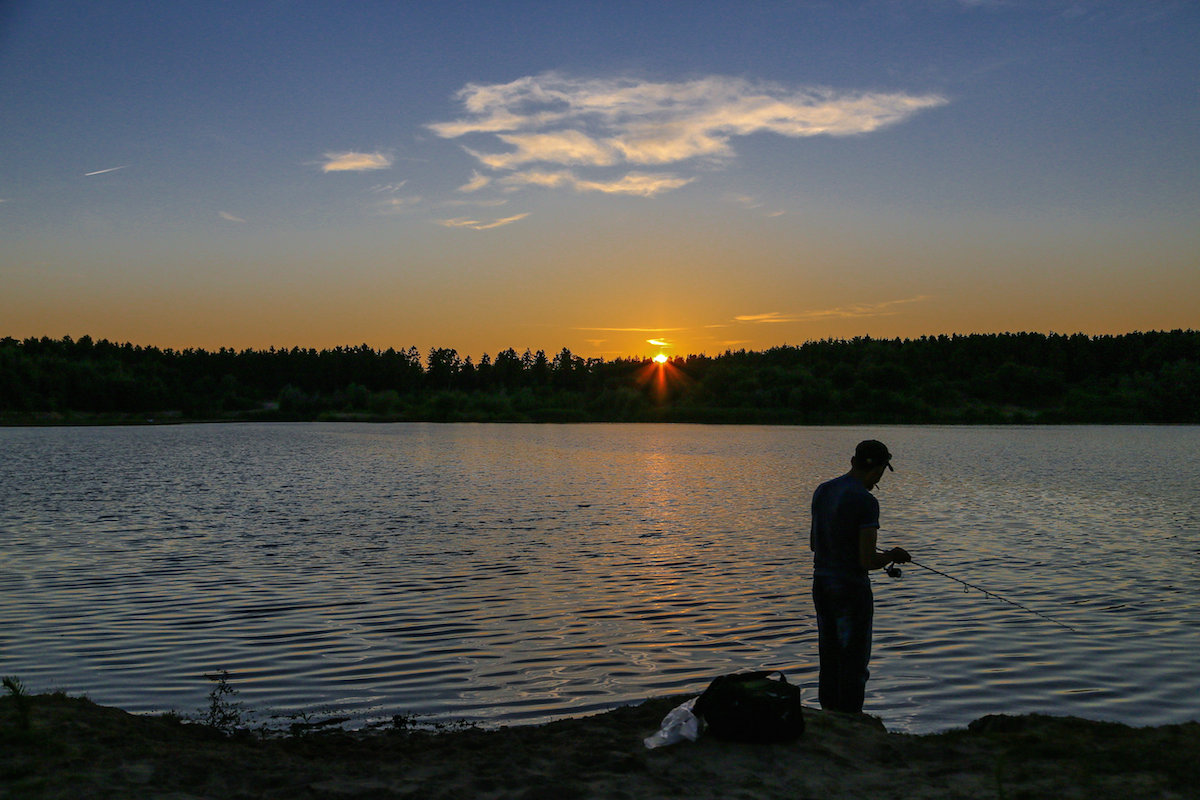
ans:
x=892 y=570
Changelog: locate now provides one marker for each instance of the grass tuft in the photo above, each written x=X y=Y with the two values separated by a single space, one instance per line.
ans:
x=224 y=712
x=16 y=690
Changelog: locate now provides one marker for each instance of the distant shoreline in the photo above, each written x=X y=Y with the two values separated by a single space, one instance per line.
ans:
x=1023 y=379
x=137 y=420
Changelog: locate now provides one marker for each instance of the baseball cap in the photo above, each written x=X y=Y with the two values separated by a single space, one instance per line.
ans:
x=871 y=453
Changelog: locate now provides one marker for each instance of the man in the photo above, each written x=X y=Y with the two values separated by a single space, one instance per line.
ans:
x=845 y=528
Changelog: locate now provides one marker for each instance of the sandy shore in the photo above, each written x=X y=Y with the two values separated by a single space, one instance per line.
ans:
x=63 y=747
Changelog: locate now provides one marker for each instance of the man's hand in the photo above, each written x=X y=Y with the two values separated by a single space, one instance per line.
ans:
x=899 y=555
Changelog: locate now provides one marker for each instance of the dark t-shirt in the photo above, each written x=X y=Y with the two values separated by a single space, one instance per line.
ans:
x=841 y=508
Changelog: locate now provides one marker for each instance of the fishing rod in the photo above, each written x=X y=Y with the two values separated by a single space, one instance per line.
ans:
x=894 y=572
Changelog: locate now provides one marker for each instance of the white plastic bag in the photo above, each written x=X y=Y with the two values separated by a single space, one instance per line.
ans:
x=679 y=724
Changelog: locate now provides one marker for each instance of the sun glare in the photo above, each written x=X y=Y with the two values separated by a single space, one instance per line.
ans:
x=660 y=376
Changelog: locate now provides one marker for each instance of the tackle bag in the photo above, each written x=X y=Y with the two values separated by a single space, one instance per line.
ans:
x=752 y=707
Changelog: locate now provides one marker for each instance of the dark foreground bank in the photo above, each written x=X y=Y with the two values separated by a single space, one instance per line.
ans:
x=62 y=747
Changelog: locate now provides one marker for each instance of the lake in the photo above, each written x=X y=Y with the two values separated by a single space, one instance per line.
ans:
x=517 y=573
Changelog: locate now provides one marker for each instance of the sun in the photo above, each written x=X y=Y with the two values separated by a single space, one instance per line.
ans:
x=660 y=377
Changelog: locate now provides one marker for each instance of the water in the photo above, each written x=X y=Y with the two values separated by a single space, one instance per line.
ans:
x=512 y=573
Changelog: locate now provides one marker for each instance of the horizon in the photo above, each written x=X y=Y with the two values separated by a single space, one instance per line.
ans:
x=616 y=179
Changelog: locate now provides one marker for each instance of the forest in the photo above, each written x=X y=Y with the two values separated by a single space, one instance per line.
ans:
x=1022 y=378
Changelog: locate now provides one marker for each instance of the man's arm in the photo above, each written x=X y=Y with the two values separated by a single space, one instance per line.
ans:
x=869 y=558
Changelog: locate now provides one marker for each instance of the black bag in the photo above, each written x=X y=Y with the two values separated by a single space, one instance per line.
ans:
x=752 y=707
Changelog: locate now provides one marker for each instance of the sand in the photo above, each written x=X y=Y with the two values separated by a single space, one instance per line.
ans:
x=72 y=748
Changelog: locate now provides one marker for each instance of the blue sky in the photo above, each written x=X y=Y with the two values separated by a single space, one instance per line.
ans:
x=617 y=178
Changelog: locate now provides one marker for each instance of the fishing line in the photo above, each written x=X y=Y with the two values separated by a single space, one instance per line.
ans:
x=894 y=572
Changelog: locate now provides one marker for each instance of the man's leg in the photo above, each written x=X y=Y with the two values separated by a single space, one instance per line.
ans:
x=828 y=648
x=856 y=626
x=845 y=615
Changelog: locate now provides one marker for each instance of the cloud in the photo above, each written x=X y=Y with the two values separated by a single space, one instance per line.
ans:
x=396 y=205
x=658 y=342
x=635 y=183
x=476 y=225
x=633 y=330
x=770 y=316
x=753 y=204
x=102 y=171
x=552 y=120
x=477 y=182
x=560 y=147
x=351 y=161
x=225 y=215
x=548 y=180
x=489 y=203
x=854 y=311
x=745 y=200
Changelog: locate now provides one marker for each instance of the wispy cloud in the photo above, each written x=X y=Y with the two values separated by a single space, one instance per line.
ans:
x=477 y=225
x=225 y=215
x=351 y=161
x=477 y=182
x=393 y=202
x=397 y=204
x=745 y=200
x=633 y=330
x=561 y=147
x=636 y=183
x=659 y=342
x=642 y=184
x=616 y=123
x=548 y=180
x=102 y=171
x=754 y=204
x=856 y=310
x=770 y=316
x=480 y=203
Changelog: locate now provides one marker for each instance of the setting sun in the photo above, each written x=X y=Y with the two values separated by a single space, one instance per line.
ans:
x=660 y=359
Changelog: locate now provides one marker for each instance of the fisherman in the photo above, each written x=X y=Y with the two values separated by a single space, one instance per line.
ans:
x=845 y=528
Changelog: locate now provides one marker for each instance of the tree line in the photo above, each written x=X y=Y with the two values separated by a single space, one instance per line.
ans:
x=978 y=378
